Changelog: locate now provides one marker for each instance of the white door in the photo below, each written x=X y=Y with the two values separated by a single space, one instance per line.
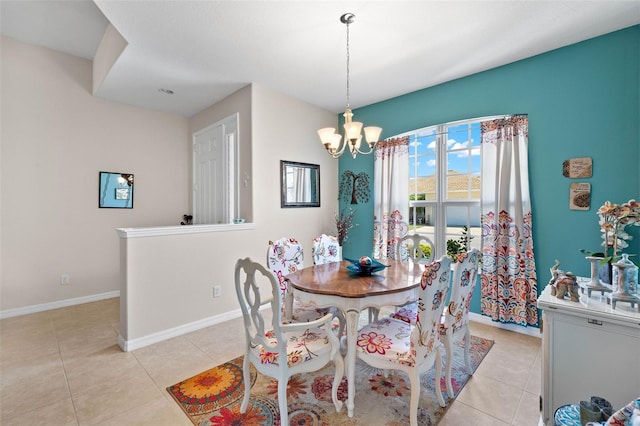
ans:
x=214 y=172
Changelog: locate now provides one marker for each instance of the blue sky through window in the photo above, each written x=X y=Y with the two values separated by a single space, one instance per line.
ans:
x=462 y=145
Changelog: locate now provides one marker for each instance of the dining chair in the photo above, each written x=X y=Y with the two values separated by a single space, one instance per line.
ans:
x=413 y=348
x=416 y=247
x=285 y=256
x=419 y=249
x=455 y=322
x=326 y=249
x=284 y=349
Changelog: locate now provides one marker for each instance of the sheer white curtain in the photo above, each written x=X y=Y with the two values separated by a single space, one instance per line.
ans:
x=509 y=283
x=391 y=196
x=302 y=176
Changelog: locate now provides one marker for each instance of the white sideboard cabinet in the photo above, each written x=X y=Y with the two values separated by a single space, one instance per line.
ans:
x=588 y=349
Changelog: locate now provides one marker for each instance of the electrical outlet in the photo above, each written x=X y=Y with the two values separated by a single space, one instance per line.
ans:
x=64 y=279
x=217 y=291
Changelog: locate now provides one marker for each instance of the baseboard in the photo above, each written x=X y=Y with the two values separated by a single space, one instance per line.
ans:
x=141 y=342
x=8 y=313
x=531 y=331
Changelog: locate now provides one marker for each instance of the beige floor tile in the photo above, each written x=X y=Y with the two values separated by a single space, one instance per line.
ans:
x=42 y=383
x=491 y=397
x=102 y=403
x=158 y=412
x=512 y=368
x=25 y=322
x=33 y=338
x=101 y=369
x=173 y=360
x=58 y=413
x=528 y=413
x=461 y=414
x=87 y=342
x=534 y=384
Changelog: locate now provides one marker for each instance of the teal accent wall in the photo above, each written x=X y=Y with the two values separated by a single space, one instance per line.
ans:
x=582 y=100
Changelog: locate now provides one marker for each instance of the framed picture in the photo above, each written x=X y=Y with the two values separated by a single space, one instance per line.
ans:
x=115 y=190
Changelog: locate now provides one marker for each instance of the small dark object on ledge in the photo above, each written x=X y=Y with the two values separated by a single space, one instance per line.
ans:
x=187 y=219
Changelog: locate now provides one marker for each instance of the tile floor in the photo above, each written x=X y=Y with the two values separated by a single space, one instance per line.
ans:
x=64 y=367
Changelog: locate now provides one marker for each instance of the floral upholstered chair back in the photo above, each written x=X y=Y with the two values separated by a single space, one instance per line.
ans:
x=284 y=256
x=433 y=295
x=462 y=285
x=326 y=249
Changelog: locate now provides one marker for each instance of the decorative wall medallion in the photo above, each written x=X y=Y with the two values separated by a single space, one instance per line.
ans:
x=354 y=188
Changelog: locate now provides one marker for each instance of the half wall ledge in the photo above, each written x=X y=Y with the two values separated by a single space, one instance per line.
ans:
x=182 y=230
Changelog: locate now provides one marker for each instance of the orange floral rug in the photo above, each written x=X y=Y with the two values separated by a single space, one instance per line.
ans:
x=214 y=396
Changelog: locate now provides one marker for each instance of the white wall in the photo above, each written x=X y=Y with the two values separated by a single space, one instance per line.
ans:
x=185 y=268
x=55 y=138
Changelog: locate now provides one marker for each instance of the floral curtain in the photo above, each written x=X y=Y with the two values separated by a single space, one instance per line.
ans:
x=509 y=283
x=391 y=195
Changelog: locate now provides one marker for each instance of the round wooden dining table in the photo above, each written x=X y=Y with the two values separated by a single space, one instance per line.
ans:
x=332 y=285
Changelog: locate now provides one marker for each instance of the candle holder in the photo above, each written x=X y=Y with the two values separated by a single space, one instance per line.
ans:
x=595 y=284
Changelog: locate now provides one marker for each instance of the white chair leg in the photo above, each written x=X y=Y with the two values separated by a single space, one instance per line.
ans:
x=288 y=304
x=437 y=379
x=414 y=379
x=448 y=350
x=282 y=401
x=467 y=345
x=341 y=321
x=373 y=314
x=246 y=376
x=338 y=363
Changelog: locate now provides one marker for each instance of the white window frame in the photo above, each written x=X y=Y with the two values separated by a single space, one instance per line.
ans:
x=440 y=205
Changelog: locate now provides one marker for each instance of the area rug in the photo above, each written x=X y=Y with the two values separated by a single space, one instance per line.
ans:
x=214 y=396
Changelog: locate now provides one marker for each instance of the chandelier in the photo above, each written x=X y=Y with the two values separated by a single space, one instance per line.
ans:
x=331 y=140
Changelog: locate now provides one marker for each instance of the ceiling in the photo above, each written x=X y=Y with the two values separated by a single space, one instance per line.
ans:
x=206 y=50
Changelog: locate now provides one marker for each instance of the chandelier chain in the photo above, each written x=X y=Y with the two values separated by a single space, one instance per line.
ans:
x=348 y=54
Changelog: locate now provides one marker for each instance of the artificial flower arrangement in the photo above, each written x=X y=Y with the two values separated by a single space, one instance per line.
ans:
x=614 y=218
x=344 y=222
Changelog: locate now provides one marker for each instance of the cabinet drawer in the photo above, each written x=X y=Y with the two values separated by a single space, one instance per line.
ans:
x=631 y=330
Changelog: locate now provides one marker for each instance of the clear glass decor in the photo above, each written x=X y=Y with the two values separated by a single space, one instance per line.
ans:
x=625 y=283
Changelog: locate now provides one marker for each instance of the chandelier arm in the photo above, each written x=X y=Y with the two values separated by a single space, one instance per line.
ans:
x=372 y=148
x=340 y=150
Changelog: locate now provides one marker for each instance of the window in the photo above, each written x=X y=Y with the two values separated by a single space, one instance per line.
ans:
x=444 y=184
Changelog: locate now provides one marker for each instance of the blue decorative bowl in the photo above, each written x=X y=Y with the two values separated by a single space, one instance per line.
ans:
x=364 y=269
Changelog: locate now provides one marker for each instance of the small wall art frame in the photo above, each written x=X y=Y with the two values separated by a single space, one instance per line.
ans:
x=115 y=190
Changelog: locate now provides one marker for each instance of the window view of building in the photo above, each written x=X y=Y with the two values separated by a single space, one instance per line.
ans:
x=444 y=184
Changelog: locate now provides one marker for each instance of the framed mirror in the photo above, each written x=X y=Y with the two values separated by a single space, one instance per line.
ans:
x=299 y=184
x=116 y=190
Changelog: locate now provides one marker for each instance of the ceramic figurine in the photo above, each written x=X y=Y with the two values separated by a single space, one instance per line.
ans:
x=563 y=283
